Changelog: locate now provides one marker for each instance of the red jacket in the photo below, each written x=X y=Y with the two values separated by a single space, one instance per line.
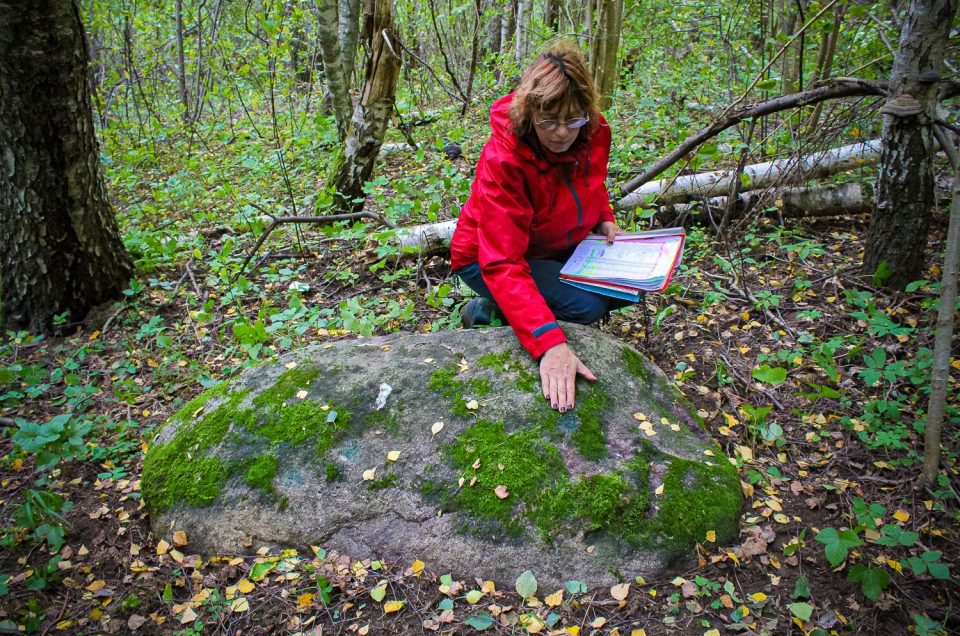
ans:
x=521 y=207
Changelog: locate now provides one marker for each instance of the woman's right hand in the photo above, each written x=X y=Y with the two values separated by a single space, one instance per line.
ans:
x=559 y=367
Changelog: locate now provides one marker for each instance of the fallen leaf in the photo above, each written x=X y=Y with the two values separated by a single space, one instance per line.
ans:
x=245 y=586
x=901 y=515
x=620 y=592
x=417 y=567
x=436 y=428
x=135 y=622
x=393 y=455
x=162 y=547
x=473 y=405
x=301 y=394
x=393 y=606
x=369 y=475
x=240 y=605
x=179 y=538
x=474 y=596
x=501 y=492
x=598 y=622
x=188 y=616
x=711 y=536
x=554 y=599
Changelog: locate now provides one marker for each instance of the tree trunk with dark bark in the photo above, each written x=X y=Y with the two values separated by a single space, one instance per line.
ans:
x=60 y=249
x=905 y=188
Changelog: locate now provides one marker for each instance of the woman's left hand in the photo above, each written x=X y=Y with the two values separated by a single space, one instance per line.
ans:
x=610 y=230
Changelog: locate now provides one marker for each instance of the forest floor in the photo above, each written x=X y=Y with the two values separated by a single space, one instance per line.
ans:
x=812 y=379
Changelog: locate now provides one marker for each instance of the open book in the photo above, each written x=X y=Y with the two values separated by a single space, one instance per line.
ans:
x=636 y=262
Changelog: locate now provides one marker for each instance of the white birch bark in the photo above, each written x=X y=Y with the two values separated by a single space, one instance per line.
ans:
x=328 y=32
x=761 y=175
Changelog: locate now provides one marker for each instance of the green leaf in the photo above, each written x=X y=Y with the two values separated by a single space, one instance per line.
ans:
x=803 y=611
x=766 y=84
x=801 y=589
x=939 y=571
x=479 y=621
x=446 y=579
x=526 y=584
x=575 y=587
x=770 y=375
x=167 y=596
x=445 y=604
x=873 y=581
x=260 y=570
x=473 y=596
x=379 y=592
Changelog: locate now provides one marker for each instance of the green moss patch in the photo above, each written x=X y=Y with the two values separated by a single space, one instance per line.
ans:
x=486 y=457
x=261 y=473
x=181 y=471
x=697 y=498
x=446 y=383
x=506 y=362
x=589 y=438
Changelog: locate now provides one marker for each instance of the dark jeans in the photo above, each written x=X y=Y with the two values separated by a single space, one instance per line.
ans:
x=567 y=302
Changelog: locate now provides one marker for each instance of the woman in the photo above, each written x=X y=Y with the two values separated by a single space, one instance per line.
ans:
x=539 y=190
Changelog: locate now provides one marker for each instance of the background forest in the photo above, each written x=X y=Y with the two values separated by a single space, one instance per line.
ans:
x=218 y=121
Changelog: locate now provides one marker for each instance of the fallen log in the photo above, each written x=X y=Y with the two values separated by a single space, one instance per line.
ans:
x=761 y=175
x=805 y=201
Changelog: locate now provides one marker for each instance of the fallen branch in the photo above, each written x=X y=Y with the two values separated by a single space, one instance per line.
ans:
x=276 y=221
x=830 y=89
x=803 y=201
x=717 y=183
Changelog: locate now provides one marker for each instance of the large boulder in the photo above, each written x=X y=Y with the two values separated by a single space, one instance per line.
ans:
x=441 y=448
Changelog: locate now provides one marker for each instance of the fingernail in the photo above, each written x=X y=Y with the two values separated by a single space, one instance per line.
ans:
x=562 y=409
x=548 y=396
x=569 y=406
x=554 y=405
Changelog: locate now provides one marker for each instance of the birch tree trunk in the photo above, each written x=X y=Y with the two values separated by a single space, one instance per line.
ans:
x=328 y=32
x=349 y=31
x=372 y=113
x=905 y=186
x=60 y=248
x=524 y=19
x=940 y=374
x=181 y=65
x=604 y=48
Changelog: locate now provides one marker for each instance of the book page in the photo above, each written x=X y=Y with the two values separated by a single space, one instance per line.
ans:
x=626 y=259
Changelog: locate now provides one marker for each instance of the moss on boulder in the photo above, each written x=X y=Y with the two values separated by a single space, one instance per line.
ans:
x=440 y=447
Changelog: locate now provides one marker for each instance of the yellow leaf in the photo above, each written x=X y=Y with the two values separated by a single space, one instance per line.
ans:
x=291 y=365
x=731 y=420
x=188 y=616
x=759 y=597
x=162 y=547
x=95 y=335
x=417 y=567
x=781 y=518
x=369 y=475
x=659 y=490
x=733 y=557
x=711 y=536
x=393 y=606
x=640 y=416
x=745 y=452
x=245 y=586
x=573 y=630
x=489 y=587
x=240 y=605
x=708 y=453
x=928 y=504
x=179 y=538
x=96 y=586
x=747 y=489
x=301 y=394
x=393 y=455
x=902 y=516
x=638 y=632
x=554 y=599
x=473 y=405
x=712 y=632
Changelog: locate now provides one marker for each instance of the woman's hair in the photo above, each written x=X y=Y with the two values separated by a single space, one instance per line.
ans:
x=558 y=77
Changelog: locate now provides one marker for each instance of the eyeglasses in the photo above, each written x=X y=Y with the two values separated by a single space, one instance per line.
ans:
x=551 y=124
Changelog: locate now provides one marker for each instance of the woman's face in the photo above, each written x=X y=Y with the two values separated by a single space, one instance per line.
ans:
x=562 y=136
